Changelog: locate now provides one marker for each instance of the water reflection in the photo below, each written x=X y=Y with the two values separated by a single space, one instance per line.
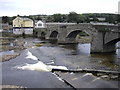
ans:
x=84 y=48
x=118 y=49
x=7 y=52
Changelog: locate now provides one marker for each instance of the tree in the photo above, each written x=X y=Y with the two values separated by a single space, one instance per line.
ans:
x=81 y=18
x=49 y=18
x=57 y=18
x=73 y=17
x=5 y=19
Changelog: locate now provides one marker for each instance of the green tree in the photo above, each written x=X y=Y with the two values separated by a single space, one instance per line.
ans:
x=49 y=18
x=57 y=18
x=81 y=18
x=73 y=17
x=5 y=19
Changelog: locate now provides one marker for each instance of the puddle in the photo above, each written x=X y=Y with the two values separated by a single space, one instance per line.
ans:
x=11 y=52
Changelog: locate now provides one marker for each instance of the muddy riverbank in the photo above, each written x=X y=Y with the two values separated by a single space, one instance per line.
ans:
x=11 y=47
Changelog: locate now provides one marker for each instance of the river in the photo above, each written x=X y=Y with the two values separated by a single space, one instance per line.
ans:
x=75 y=56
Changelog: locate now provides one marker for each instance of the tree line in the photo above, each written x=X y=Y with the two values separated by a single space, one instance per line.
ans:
x=72 y=17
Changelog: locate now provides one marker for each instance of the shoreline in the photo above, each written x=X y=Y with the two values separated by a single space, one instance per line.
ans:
x=15 y=87
x=4 y=58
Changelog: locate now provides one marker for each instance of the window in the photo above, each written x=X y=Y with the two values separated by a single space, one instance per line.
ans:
x=39 y=24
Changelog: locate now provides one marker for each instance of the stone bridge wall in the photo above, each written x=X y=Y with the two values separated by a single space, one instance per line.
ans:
x=101 y=34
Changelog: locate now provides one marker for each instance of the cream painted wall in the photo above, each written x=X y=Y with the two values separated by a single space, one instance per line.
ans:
x=20 y=22
x=28 y=23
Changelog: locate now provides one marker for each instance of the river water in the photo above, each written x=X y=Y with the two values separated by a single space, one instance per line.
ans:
x=75 y=56
x=78 y=56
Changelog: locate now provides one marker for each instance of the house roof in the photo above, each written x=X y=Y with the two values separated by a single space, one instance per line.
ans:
x=24 y=18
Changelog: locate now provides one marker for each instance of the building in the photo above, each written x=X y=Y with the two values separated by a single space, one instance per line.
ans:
x=22 y=25
x=5 y=26
x=39 y=24
x=101 y=19
x=119 y=7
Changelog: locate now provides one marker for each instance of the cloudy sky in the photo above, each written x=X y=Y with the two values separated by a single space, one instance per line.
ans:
x=32 y=7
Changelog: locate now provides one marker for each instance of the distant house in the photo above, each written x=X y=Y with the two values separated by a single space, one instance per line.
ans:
x=101 y=19
x=5 y=26
x=22 y=25
x=39 y=24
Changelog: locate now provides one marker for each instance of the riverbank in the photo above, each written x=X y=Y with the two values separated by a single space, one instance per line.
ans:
x=8 y=57
x=10 y=87
x=10 y=48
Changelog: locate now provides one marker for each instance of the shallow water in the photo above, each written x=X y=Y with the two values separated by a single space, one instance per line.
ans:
x=81 y=57
x=37 y=63
x=11 y=52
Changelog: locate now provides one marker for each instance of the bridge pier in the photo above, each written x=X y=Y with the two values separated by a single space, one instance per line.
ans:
x=98 y=44
x=67 y=41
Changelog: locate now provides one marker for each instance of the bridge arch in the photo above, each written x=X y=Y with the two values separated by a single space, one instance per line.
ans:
x=111 y=46
x=54 y=35
x=113 y=41
x=43 y=35
x=74 y=33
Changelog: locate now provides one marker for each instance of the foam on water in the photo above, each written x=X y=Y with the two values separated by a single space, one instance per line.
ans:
x=40 y=66
x=58 y=67
x=29 y=55
x=87 y=74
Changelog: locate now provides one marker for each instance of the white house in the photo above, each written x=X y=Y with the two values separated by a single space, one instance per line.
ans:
x=39 y=24
x=101 y=19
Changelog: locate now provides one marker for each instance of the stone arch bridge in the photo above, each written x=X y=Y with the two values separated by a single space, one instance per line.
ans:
x=103 y=36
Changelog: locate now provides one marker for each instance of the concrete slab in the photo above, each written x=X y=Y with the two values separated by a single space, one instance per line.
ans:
x=87 y=80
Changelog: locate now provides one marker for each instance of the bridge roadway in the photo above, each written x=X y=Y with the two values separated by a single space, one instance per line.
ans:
x=103 y=36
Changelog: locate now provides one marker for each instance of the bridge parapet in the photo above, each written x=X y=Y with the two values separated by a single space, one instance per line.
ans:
x=104 y=36
x=106 y=28
x=79 y=26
